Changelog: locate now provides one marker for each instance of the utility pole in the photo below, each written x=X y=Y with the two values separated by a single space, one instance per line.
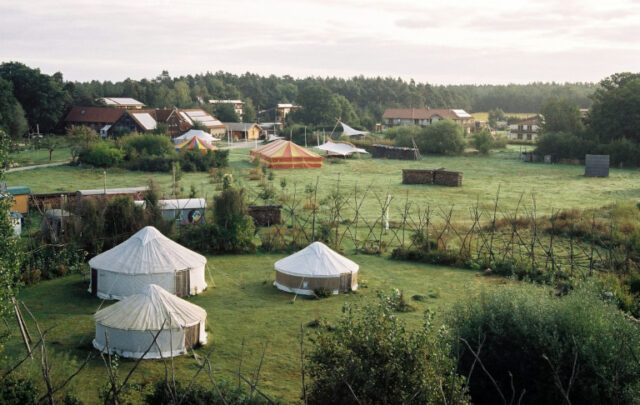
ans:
x=104 y=175
x=305 y=136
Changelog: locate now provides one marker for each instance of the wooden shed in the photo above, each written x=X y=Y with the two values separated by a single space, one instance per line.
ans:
x=20 y=196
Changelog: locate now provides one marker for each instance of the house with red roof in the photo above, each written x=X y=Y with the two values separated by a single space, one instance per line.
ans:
x=423 y=117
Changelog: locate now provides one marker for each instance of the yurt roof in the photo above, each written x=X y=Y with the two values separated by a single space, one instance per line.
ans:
x=284 y=149
x=205 y=136
x=147 y=251
x=316 y=260
x=148 y=311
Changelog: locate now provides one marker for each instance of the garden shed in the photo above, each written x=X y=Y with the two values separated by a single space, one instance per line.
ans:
x=148 y=257
x=20 y=196
x=131 y=325
x=314 y=267
x=185 y=211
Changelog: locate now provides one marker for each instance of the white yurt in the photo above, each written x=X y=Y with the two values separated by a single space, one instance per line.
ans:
x=148 y=257
x=205 y=136
x=316 y=266
x=131 y=324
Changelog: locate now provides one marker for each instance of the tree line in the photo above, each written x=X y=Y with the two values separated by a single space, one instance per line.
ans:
x=29 y=97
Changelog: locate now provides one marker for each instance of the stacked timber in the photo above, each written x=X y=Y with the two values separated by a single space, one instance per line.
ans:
x=394 y=152
x=450 y=179
x=265 y=215
x=414 y=176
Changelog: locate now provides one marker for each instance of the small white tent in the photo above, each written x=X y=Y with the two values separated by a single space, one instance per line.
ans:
x=316 y=266
x=205 y=136
x=348 y=131
x=148 y=257
x=131 y=324
x=342 y=149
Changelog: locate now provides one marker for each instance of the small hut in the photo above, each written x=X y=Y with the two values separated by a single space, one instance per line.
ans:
x=131 y=324
x=314 y=267
x=53 y=224
x=148 y=257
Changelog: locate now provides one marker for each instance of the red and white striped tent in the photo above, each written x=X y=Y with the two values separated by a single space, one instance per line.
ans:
x=283 y=154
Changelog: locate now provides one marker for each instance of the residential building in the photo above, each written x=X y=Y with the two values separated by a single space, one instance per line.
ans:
x=525 y=130
x=243 y=130
x=122 y=102
x=423 y=117
x=135 y=121
x=213 y=125
x=100 y=119
x=282 y=110
x=238 y=105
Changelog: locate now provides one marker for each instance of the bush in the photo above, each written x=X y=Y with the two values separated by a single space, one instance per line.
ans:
x=192 y=160
x=17 y=391
x=381 y=360
x=147 y=144
x=101 y=154
x=530 y=339
x=483 y=141
x=444 y=137
x=197 y=394
x=151 y=163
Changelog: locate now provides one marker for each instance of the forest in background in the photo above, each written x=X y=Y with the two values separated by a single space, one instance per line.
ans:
x=29 y=97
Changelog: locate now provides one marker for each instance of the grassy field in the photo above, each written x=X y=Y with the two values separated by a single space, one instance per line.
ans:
x=242 y=304
x=40 y=156
x=554 y=186
x=484 y=116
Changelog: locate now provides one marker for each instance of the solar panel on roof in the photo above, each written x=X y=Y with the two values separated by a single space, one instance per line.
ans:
x=146 y=120
x=462 y=113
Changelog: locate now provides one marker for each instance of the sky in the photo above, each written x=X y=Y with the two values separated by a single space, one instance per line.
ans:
x=435 y=41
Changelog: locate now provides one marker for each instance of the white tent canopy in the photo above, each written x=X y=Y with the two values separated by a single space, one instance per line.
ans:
x=316 y=267
x=316 y=260
x=205 y=136
x=341 y=149
x=132 y=323
x=348 y=131
x=148 y=257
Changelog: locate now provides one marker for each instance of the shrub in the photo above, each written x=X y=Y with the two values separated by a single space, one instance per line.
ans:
x=151 y=163
x=483 y=141
x=530 y=339
x=17 y=391
x=101 y=154
x=193 y=160
x=381 y=360
x=147 y=144
x=228 y=394
x=322 y=292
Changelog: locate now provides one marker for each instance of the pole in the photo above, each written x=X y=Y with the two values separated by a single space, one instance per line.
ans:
x=305 y=136
x=104 y=175
x=386 y=225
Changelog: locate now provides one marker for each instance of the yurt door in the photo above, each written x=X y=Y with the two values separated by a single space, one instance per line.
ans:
x=94 y=282
x=345 y=282
x=183 y=282
x=191 y=336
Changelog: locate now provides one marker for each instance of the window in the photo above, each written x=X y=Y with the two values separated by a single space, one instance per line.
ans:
x=520 y=127
x=528 y=137
x=519 y=136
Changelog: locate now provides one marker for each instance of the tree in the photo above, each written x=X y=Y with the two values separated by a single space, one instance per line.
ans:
x=319 y=106
x=50 y=143
x=248 y=111
x=10 y=251
x=496 y=115
x=615 y=112
x=561 y=115
x=18 y=125
x=483 y=141
x=226 y=113
x=444 y=137
x=41 y=97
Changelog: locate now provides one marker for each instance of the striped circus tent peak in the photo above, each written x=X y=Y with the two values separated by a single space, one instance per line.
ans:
x=282 y=154
x=195 y=143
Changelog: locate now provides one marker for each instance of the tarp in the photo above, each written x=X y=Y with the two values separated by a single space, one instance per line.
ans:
x=195 y=143
x=316 y=261
x=341 y=149
x=283 y=154
x=148 y=311
x=348 y=131
x=147 y=252
x=205 y=136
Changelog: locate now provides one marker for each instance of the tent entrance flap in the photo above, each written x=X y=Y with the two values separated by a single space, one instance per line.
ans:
x=191 y=336
x=183 y=283
x=94 y=282
x=345 y=282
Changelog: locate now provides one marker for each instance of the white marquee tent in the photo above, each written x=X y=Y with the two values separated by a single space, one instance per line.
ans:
x=316 y=266
x=148 y=257
x=205 y=136
x=348 y=131
x=342 y=149
x=131 y=324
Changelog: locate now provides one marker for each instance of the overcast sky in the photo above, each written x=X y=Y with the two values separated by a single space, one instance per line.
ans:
x=453 y=41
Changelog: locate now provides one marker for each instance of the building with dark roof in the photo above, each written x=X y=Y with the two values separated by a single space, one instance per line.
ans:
x=423 y=117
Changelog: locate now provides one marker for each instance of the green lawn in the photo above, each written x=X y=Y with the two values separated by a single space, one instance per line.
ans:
x=242 y=305
x=40 y=156
x=554 y=186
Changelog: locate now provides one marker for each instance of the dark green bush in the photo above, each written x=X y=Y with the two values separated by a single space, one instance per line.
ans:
x=147 y=144
x=17 y=391
x=148 y=163
x=193 y=160
x=530 y=338
x=198 y=395
x=371 y=352
x=483 y=141
x=322 y=292
x=101 y=154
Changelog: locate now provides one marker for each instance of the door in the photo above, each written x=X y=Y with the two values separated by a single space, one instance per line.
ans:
x=94 y=282
x=183 y=282
x=191 y=336
x=345 y=282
